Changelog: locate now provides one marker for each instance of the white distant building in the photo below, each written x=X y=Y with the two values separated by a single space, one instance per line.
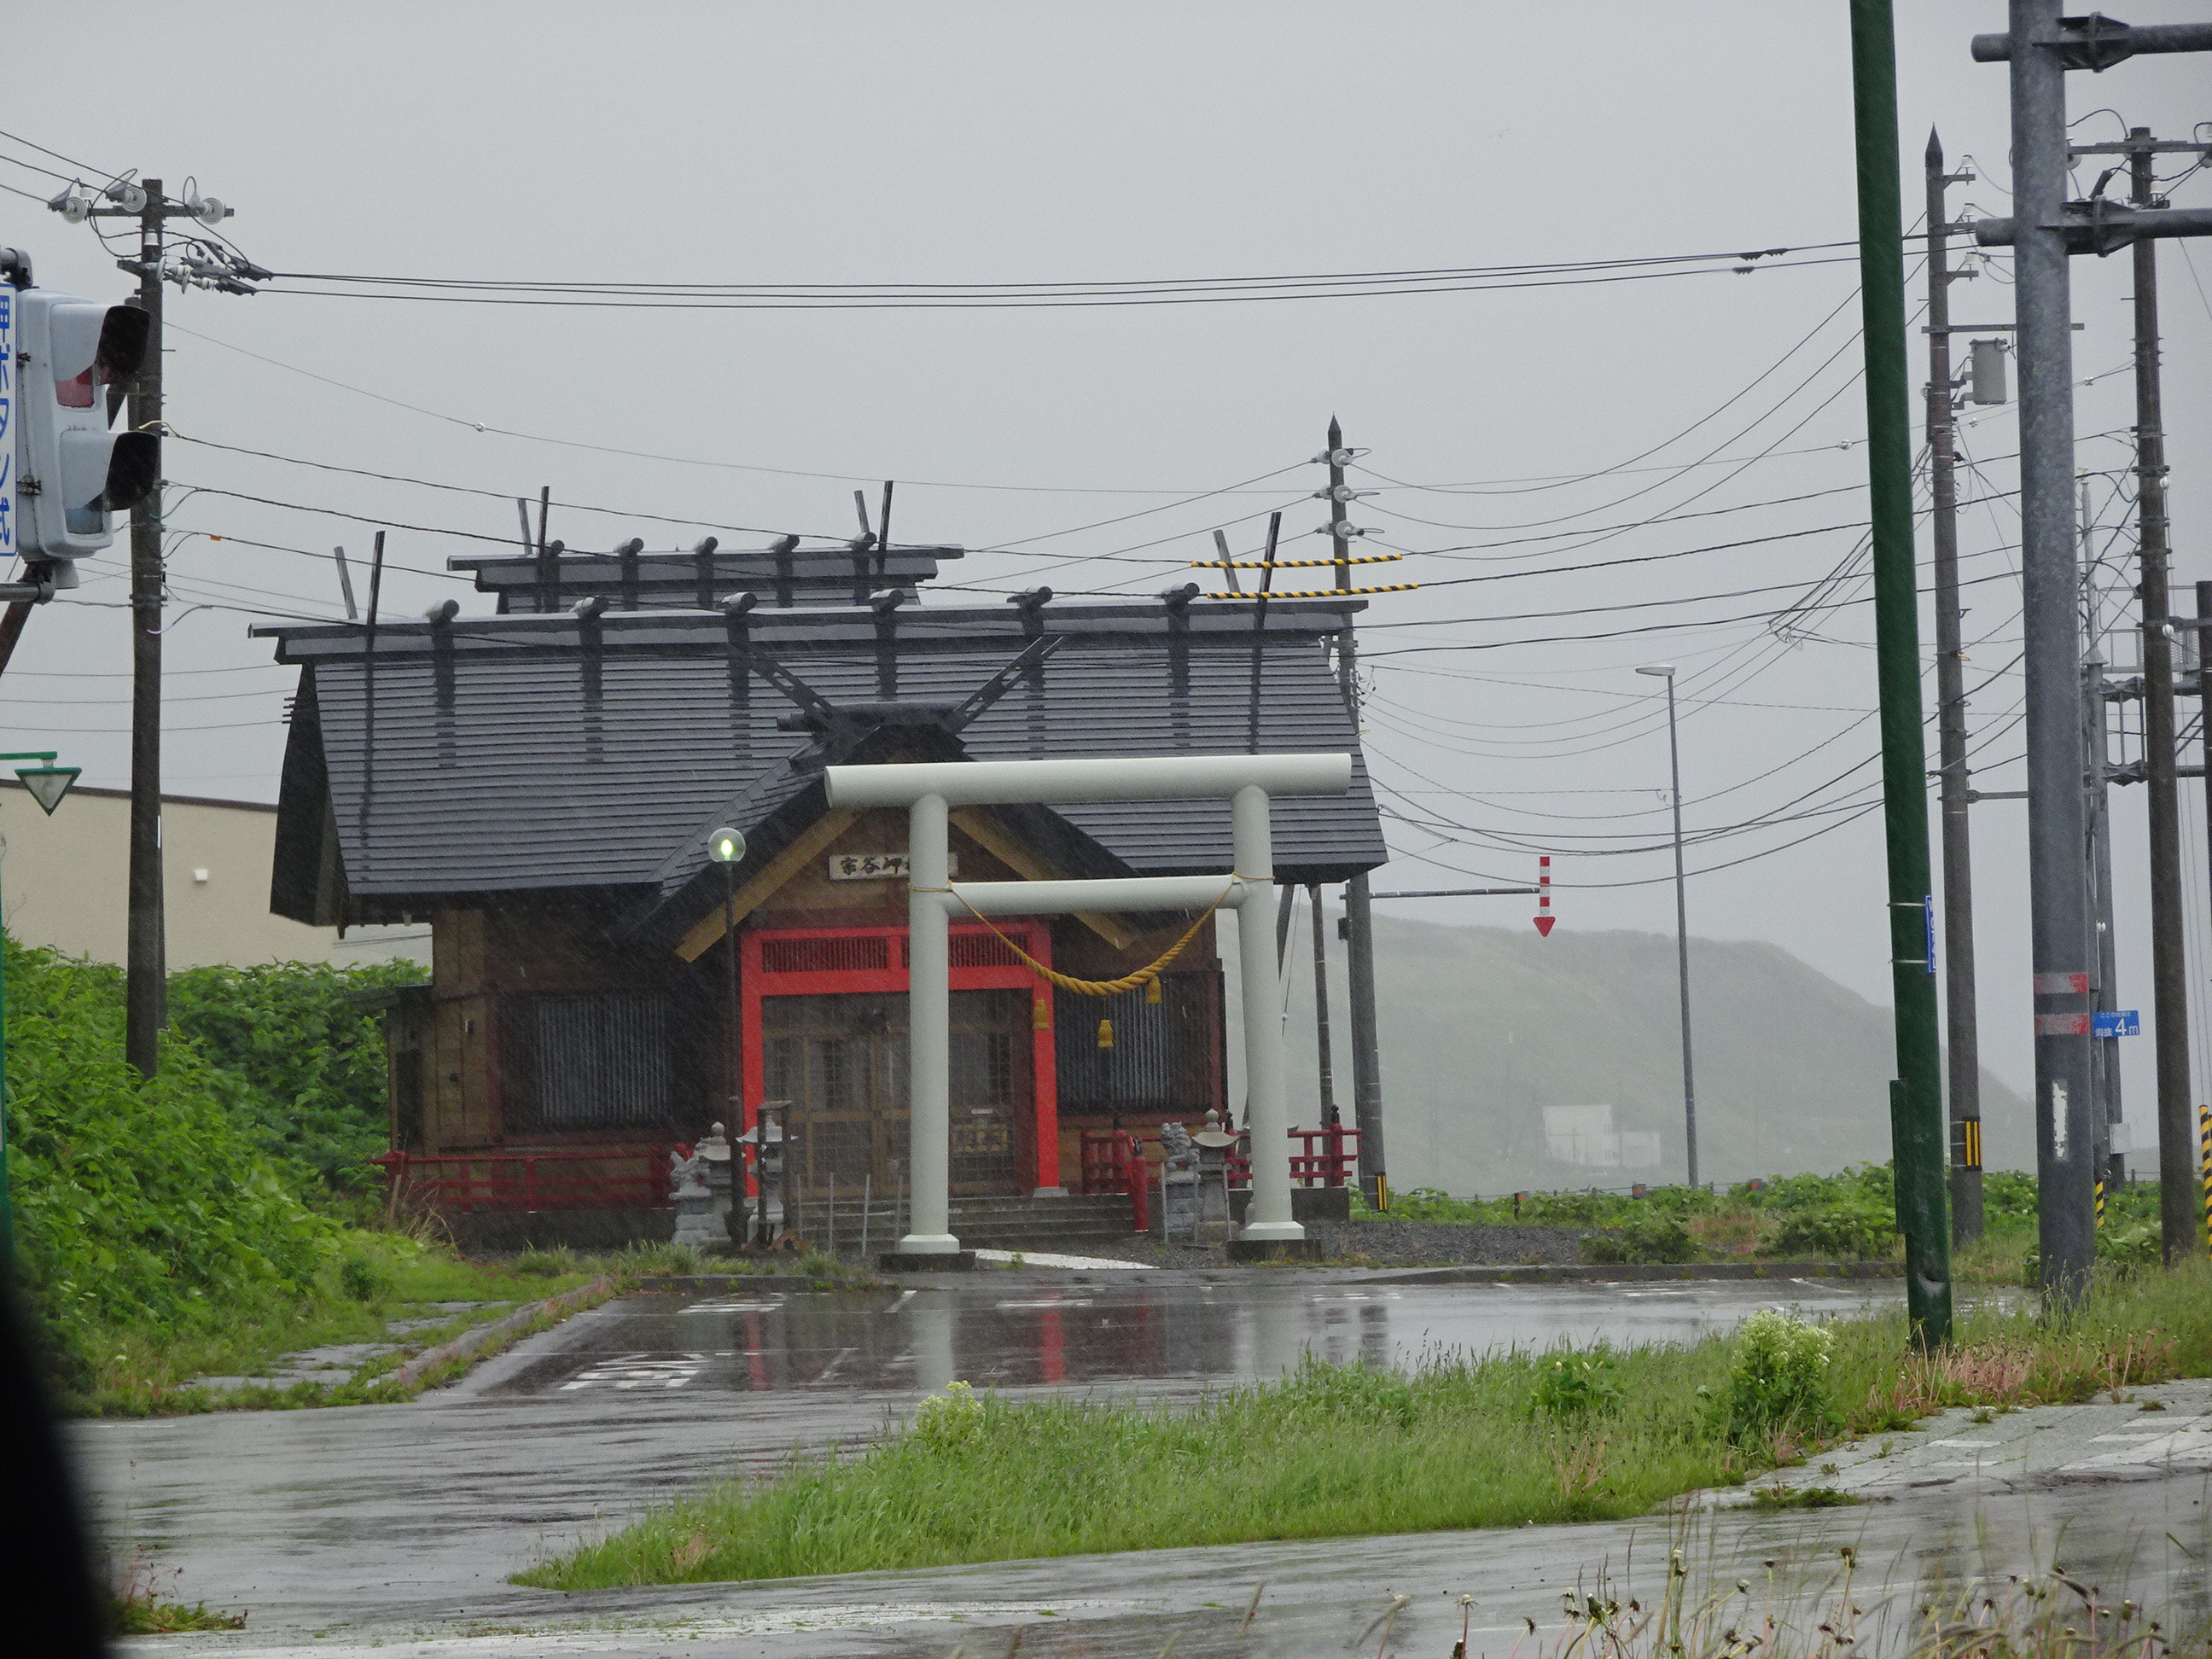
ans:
x=1586 y=1135
x=63 y=884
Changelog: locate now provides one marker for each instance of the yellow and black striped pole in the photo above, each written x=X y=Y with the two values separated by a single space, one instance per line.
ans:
x=2204 y=1162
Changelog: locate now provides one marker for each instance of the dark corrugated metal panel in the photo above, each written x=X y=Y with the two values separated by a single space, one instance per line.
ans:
x=502 y=769
x=683 y=581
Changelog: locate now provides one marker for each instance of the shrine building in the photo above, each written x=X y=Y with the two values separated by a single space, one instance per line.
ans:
x=537 y=786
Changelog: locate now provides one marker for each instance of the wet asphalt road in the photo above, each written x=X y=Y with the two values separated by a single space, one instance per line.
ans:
x=1014 y=1330
x=410 y=1512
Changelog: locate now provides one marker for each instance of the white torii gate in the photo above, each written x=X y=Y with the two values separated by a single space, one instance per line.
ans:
x=928 y=790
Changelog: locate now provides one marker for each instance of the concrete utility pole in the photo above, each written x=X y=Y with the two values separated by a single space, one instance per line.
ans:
x=2044 y=231
x=145 y=952
x=2097 y=791
x=1963 y=1053
x=1916 y=1094
x=2059 y=923
x=1358 y=920
x=2177 y=1217
x=2182 y=1228
x=1666 y=672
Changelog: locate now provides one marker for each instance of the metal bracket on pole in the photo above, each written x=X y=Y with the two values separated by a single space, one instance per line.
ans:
x=2102 y=226
x=2097 y=42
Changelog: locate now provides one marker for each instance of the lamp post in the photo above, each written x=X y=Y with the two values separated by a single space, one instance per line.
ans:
x=726 y=846
x=1665 y=671
x=47 y=784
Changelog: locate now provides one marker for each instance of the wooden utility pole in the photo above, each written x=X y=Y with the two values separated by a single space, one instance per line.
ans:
x=1961 y=1030
x=145 y=987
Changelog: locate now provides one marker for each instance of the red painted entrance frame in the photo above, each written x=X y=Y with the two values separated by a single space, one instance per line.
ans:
x=755 y=982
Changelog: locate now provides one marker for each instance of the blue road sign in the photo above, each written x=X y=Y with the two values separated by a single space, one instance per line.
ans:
x=2120 y=1022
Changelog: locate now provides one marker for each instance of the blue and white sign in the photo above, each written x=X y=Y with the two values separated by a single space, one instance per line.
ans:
x=7 y=424
x=2118 y=1021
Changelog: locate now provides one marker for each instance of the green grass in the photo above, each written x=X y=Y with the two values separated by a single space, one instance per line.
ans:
x=1336 y=1451
x=140 y=1370
x=1850 y=1216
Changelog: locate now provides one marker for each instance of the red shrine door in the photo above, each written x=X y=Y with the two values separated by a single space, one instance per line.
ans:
x=825 y=1034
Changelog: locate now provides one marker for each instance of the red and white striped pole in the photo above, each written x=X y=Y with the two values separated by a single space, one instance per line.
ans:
x=1544 y=916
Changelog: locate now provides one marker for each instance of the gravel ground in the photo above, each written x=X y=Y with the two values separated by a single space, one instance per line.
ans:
x=1370 y=1244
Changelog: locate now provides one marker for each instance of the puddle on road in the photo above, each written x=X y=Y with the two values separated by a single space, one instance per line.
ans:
x=1010 y=1336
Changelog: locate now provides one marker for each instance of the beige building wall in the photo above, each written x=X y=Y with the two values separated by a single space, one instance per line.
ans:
x=63 y=881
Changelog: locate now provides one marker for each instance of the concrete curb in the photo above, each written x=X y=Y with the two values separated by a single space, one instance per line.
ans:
x=553 y=1307
x=1642 y=1273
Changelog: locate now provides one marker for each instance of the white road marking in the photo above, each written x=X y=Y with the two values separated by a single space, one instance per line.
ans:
x=638 y=1371
x=1039 y=1258
x=735 y=1305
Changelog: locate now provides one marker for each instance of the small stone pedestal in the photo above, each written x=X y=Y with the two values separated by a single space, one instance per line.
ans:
x=718 y=1165
x=1213 y=1226
x=696 y=1222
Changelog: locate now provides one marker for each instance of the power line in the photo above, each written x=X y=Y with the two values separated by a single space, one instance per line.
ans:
x=646 y=301
x=492 y=495
x=1067 y=284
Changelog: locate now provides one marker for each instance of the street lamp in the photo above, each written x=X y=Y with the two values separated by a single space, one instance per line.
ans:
x=47 y=783
x=1665 y=671
x=726 y=846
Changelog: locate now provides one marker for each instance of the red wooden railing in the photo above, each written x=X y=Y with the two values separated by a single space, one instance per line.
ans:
x=1111 y=1161
x=617 y=1178
x=1334 y=1165
x=1106 y=1154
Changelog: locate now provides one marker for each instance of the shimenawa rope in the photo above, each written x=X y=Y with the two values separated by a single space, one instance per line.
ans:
x=1101 y=988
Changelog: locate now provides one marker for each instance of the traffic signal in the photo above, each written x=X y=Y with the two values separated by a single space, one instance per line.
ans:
x=73 y=359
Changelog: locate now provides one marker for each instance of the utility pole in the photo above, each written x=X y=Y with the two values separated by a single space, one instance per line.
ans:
x=1666 y=672
x=1963 y=1050
x=1359 y=920
x=2195 y=1229
x=2044 y=231
x=1916 y=1095
x=1322 y=1046
x=146 y=966
x=2178 y=1218
x=204 y=264
x=2097 y=790
x=2059 y=924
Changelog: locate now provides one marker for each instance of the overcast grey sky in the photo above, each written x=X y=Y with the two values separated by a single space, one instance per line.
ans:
x=973 y=143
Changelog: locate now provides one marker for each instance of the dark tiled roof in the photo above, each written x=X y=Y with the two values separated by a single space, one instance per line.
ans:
x=514 y=753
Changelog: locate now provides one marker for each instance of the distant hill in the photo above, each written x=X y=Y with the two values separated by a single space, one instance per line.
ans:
x=1482 y=1028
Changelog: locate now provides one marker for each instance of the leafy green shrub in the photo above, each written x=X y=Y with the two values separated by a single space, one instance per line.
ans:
x=364 y=1281
x=1851 y=1230
x=136 y=1201
x=946 y=1422
x=1778 y=1379
x=312 y=1056
x=1653 y=1235
x=1572 y=1386
x=2130 y=1247
x=547 y=1264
